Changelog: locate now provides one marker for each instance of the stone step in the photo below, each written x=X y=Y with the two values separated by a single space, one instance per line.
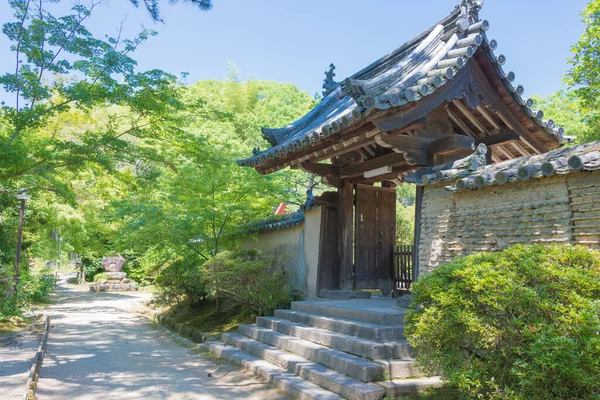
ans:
x=360 y=329
x=404 y=301
x=354 y=310
x=346 y=343
x=344 y=294
x=312 y=372
x=403 y=387
x=347 y=364
x=399 y=369
x=288 y=382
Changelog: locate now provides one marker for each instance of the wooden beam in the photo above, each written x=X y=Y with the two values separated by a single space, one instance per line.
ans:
x=503 y=112
x=488 y=117
x=463 y=109
x=418 y=157
x=451 y=144
x=461 y=124
x=520 y=149
x=324 y=148
x=504 y=152
x=388 y=159
x=498 y=139
x=320 y=169
x=387 y=177
x=402 y=143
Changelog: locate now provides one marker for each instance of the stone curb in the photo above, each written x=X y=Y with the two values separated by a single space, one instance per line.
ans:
x=36 y=364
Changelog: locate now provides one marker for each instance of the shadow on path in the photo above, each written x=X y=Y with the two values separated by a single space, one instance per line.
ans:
x=99 y=349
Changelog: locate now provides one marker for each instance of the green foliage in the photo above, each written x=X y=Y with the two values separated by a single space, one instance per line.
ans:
x=565 y=108
x=405 y=214
x=181 y=281
x=98 y=276
x=249 y=280
x=520 y=324
x=584 y=75
x=34 y=288
x=153 y=6
x=62 y=74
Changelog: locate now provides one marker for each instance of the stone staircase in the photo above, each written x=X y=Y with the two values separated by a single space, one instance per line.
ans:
x=353 y=349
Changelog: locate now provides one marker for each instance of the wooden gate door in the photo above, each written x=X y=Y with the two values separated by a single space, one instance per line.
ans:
x=375 y=236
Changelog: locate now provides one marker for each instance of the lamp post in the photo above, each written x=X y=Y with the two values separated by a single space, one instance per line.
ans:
x=23 y=197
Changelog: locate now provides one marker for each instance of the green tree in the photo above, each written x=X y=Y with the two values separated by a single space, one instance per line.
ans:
x=565 y=108
x=584 y=74
x=153 y=6
x=184 y=213
x=61 y=74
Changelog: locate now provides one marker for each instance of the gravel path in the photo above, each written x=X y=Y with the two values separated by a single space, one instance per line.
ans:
x=98 y=348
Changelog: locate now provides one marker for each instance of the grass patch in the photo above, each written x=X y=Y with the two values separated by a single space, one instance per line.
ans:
x=207 y=319
x=18 y=324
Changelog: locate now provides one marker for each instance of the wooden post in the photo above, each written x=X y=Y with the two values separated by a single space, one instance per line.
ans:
x=418 y=208
x=345 y=242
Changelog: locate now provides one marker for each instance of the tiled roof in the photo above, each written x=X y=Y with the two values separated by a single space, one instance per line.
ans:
x=469 y=173
x=413 y=71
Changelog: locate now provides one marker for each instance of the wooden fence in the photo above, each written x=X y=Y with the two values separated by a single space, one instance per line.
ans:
x=403 y=270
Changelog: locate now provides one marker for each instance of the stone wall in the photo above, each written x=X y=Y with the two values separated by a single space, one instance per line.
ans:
x=298 y=246
x=560 y=209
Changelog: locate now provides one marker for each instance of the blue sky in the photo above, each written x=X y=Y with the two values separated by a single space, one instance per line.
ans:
x=295 y=41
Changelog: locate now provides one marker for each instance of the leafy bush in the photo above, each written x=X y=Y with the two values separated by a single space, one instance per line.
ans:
x=101 y=275
x=8 y=307
x=91 y=267
x=523 y=323
x=249 y=280
x=181 y=281
x=33 y=288
x=38 y=288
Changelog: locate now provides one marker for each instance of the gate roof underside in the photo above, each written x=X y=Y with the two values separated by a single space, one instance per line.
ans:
x=431 y=100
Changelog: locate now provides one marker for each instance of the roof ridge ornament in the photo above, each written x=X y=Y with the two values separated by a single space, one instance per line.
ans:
x=473 y=5
x=329 y=84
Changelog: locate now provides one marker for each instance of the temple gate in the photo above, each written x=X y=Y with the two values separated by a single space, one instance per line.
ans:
x=410 y=117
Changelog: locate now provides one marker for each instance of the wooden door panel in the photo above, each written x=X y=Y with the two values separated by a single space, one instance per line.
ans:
x=365 y=262
x=328 y=276
x=375 y=234
x=386 y=238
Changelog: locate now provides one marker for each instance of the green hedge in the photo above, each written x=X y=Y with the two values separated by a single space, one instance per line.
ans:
x=101 y=275
x=523 y=323
x=249 y=280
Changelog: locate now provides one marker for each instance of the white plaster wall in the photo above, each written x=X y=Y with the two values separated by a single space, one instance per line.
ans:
x=298 y=247
x=312 y=241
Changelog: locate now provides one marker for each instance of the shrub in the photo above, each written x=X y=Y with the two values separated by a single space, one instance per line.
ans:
x=181 y=281
x=249 y=280
x=33 y=288
x=101 y=275
x=91 y=267
x=39 y=287
x=523 y=323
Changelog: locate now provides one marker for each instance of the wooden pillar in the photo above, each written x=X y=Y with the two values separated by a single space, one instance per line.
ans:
x=345 y=237
x=418 y=208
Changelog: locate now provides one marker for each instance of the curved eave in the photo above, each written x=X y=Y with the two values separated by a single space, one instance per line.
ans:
x=507 y=78
x=429 y=62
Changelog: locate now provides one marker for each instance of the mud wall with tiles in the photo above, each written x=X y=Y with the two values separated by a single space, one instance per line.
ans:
x=562 y=209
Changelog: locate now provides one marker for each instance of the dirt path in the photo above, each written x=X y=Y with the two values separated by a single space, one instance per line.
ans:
x=99 y=349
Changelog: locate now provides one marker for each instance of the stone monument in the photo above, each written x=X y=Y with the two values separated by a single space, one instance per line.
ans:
x=116 y=281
